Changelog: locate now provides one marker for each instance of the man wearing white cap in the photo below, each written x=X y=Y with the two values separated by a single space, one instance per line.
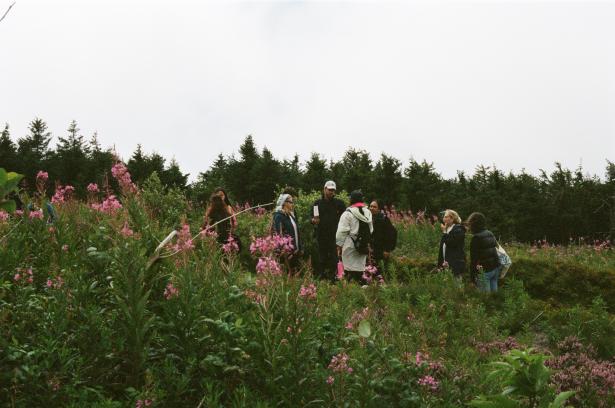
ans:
x=326 y=213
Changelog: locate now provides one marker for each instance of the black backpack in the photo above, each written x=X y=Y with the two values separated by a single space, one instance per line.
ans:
x=363 y=241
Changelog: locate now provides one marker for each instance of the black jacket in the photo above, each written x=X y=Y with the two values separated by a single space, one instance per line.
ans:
x=329 y=212
x=455 y=249
x=283 y=225
x=382 y=239
x=483 y=252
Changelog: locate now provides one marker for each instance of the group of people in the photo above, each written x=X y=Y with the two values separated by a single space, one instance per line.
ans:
x=485 y=265
x=358 y=235
x=337 y=230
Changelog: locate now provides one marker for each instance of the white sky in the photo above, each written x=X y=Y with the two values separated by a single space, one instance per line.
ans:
x=518 y=84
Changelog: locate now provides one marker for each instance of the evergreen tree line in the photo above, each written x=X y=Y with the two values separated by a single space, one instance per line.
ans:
x=555 y=206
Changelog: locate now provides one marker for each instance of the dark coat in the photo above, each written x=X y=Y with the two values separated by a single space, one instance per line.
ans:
x=381 y=237
x=329 y=212
x=455 y=249
x=483 y=252
x=282 y=225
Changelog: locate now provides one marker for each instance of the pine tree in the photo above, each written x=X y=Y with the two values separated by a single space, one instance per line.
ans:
x=173 y=177
x=316 y=174
x=70 y=158
x=8 y=150
x=33 y=150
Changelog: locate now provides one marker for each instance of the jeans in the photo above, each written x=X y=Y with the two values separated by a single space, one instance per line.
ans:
x=488 y=281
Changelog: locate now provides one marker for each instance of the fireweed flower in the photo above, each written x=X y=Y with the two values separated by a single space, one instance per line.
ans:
x=371 y=273
x=330 y=380
x=170 y=291
x=268 y=266
x=121 y=174
x=339 y=364
x=429 y=382
x=231 y=246
x=357 y=317
x=42 y=176
x=209 y=232
x=109 y=206
x=184 y=240
x=38 y=214
x=93 y=188
x=62 y=194
x=4 y=216
x=268 y=245
x=65 y=247
x=56 y=283
x=126 y=231
x=308 y=292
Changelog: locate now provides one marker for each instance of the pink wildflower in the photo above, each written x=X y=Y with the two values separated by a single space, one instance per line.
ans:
x=17 y=277
x=62 y=194
x=126 y=231
x=330 y=380
x=109 y=206
x=268 y=245
x=268 y=266
x=429 y=382
x=357 y=317
x=4 y=216
x=65 y=248
x=170 y=291
x=121 y=174
x=184 y=240
x=93 y=188
x=38 y=214
x=42 y=176
x=231 y=246
x=308 y=292
x=371 y=273
x=339 y=364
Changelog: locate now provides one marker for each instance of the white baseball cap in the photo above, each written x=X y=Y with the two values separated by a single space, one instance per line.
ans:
x=330 y=185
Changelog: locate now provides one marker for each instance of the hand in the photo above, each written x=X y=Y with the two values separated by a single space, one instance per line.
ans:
x=443 y=227
x=339 y=251
x=315 y=220
x=386 y=255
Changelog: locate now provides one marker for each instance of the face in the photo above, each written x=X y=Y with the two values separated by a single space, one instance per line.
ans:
x=448 y=220
x=373 y=207
x=221 y=194
x=329 y=193
x=289 y=204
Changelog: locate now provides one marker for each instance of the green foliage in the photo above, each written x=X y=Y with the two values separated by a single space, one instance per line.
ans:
x=526 y=383
x=8 y=184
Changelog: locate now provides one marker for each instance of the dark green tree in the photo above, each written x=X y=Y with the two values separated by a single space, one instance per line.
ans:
x=8 y=150
x=33 y=151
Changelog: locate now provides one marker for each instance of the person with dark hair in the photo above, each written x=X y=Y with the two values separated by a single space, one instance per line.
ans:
x=325 y=215
x=452 y=244
x=484 y=259
x=348 y=231
x=285 y=224
x=220 y=214
x=385 y=234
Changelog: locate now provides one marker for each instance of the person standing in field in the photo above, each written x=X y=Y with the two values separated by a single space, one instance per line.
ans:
x=484 y=259
x=221 y=214
x=385 y=235
x=325 y=216
x=452 y=244
x=285 y=224
x=349 y=236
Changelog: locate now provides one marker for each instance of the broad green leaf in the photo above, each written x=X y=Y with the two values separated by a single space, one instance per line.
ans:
x=365 y=329
x=561 y=399
x=8 y=206
x=3 y=176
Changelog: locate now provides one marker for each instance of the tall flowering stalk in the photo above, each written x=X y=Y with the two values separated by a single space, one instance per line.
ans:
x=121 y=174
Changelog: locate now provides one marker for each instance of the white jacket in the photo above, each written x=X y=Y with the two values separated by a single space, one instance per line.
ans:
x=347 y=230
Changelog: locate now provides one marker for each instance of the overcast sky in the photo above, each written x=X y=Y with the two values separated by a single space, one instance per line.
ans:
x=516 y=84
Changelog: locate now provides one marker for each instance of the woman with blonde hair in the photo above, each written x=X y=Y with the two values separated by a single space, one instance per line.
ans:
x=452 y=244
